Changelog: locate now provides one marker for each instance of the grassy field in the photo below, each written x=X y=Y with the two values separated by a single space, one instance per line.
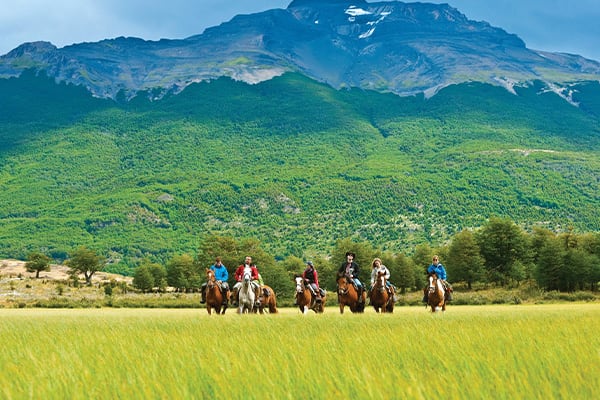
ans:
x=499 y=352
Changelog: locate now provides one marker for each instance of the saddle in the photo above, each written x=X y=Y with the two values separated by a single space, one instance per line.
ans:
x=315 y=298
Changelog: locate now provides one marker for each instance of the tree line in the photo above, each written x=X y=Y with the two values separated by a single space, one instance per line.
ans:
x=499 y=254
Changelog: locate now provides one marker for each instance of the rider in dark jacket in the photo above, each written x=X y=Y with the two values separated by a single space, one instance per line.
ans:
x=350 y=269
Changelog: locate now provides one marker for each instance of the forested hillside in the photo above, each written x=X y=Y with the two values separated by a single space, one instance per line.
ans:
x=290 y=162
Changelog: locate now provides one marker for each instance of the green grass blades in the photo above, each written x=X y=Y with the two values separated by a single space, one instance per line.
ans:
x=500 y=352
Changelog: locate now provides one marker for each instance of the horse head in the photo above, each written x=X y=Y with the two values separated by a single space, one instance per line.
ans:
x=247 y=277
x=381 y=281
x=299 y=284
x=210 y=278
x=435 y=283
x=342 y=284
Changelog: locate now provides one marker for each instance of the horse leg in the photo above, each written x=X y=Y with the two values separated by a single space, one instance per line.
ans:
x=225 y=304
x=234 y=297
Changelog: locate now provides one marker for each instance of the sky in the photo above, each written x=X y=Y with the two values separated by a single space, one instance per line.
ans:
x=569 y=26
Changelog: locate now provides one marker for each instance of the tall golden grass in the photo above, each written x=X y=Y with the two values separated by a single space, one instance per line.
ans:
x=499 y=352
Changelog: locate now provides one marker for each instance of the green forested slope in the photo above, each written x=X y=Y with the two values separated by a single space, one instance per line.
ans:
x=289 y=161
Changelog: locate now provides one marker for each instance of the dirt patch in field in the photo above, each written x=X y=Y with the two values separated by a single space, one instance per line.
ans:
x=16 y=269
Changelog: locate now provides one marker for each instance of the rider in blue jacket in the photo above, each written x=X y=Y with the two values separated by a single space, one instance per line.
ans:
x=437 y=268
x=221 y=275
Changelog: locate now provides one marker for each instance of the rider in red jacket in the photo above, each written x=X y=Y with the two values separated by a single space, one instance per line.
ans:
x=311 y=277
x=239 y=275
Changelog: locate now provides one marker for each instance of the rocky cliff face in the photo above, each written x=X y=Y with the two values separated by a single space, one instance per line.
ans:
x=404 y=48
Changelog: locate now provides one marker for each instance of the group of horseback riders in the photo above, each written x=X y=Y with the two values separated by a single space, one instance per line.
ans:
x=349 y=269
x=221 y=275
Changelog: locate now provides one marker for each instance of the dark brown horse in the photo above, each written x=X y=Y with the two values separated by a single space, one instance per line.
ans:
x=348 y=296
x=268 y=300
x=305 y=299
x=381 y=299
x=436 y=298
x=214 y=294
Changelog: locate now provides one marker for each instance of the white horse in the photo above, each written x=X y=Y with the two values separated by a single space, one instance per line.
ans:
x=246 y=295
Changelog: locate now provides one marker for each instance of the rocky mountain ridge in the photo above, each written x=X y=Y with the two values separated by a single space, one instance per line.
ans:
x=403 y=48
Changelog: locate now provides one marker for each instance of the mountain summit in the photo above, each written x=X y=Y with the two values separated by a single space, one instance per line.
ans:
x=403 y=48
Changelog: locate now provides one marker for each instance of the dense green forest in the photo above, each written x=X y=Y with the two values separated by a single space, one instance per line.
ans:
x=289 y=162
x=499 y=254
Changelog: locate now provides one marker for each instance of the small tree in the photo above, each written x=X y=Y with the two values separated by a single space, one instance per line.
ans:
x=421 y=259
x=159 y=273
x=405 y=278
x=149 y=275
x=143 y=279
x=464 y=260
x=502 y=243
x=85 y=261
x=37 y=262
x=182 y=272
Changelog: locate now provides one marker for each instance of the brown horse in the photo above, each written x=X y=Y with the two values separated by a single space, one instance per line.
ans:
x=214 y=294
x=348 y=296
x=436 y=298
x=268 y=300
x=381 y=299
x=305 y=299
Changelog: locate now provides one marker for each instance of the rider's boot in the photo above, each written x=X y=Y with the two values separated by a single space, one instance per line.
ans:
x=424 y=295
x=226 y=297
x=203 y=296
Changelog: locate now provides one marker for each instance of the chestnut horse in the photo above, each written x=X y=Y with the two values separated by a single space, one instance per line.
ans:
x=348 y=296
x=380 y=297
x=306 y=300
x=436 y=298
x=214 y=294
x=268 y=300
